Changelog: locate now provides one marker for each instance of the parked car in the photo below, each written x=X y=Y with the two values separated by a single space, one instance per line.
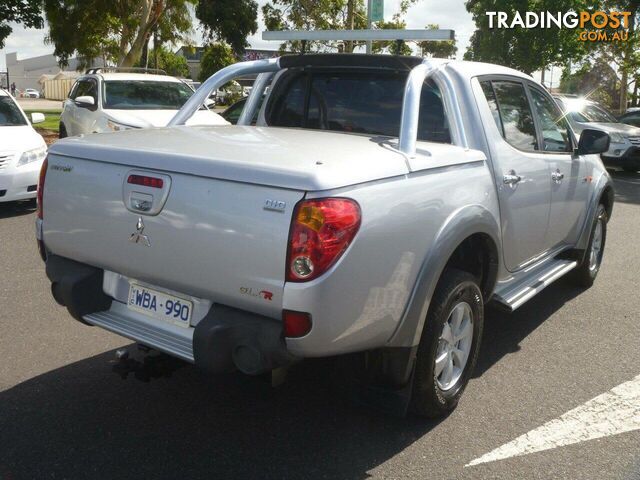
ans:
x=374 y=210
x=22 y=151
x=631 y=118
x=624 y=151
x=113 y=101
x=232 y=113
x=31 y=93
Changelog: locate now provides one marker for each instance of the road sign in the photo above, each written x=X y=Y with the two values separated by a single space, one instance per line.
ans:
x=377 y=10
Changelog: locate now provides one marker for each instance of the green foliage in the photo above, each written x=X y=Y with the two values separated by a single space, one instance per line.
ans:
x=116 y=31
x=26 y=12
x=313 y=15
x=168 y=61
x=231 y=21
x=215 y=57
x=524 y=49
x=438 y=49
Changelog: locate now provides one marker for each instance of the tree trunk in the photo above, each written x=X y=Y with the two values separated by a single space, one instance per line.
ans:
x=348 y=46
x=151 y=12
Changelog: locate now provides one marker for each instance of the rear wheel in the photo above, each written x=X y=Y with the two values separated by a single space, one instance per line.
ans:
x=449 y=345
x=586 y=273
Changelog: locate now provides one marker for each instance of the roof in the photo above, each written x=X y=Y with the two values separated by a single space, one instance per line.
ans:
x=137 y=76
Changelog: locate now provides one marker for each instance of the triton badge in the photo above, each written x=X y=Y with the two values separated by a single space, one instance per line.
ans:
x=138 y=236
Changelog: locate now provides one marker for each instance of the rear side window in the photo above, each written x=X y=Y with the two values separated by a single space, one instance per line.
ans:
x=365 y=102
x=516 y=117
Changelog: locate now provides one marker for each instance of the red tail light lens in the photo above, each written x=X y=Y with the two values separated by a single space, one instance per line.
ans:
x=40 y=192
x=296 y=324
x=321 y=231
x=145 y=181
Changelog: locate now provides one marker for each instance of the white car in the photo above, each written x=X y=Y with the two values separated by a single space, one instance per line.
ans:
x=107 y=102
x=31 y=93
x=22 y=151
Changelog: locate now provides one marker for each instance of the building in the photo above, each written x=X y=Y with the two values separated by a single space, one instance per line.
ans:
x=28 y=72
x=194 y=56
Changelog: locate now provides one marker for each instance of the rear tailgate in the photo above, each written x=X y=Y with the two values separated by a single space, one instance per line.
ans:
x=213 y=239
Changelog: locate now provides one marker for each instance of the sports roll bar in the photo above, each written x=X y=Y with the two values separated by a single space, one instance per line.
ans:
x=410 y=106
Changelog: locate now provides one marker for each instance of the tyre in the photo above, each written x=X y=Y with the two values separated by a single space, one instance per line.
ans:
x=449 y=345
x=62 y=132
x=586 y=273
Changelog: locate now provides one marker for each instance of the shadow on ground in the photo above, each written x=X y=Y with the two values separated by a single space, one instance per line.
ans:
x=627 y=187
x=16 y=209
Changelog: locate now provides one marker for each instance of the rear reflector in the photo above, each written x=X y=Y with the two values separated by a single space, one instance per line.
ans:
x=296 y=324
x=145 y=181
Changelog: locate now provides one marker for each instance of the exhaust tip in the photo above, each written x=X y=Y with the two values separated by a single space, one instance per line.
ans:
x=249 y=360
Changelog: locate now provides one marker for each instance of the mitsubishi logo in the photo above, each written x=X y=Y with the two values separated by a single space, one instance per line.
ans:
x=138 y=236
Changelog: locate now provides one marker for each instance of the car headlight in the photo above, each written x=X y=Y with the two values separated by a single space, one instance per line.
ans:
x=616 y=138
x=117 y=127
x=35 y=155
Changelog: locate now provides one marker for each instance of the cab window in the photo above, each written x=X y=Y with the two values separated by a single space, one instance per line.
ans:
x=553 y=124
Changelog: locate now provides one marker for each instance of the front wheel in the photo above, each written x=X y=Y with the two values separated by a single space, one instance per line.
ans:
x=62 y=132
x=449 y=344
x=586 y=273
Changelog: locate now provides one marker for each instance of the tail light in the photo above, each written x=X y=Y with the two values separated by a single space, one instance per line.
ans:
x=321 y=231
x=39 y=194
x=296 y=324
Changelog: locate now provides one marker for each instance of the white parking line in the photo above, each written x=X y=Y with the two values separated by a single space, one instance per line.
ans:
x=616 y=411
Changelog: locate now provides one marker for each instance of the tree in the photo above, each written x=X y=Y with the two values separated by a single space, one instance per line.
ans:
x=164 y=59
x=525 y=49
x=438 y=49
x=120 y=31
x=231 y=21
x=216 y=56
x=315 y=15
x=26 y=12
x=596 y=80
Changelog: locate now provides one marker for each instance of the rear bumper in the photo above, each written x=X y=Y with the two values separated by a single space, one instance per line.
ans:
x=225 y=339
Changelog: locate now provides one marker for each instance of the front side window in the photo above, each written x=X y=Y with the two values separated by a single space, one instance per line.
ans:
x=516 y=116
x=368 y=103
x=86 y=88
x=145 y=95
x=10 y=114
x=555 y=130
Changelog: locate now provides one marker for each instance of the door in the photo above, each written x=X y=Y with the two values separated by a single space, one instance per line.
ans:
x=85 y=115
x=521 y=169
x=569 y=176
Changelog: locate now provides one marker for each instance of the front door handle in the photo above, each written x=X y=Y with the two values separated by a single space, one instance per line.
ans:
x=557 y=176
x=511 y=178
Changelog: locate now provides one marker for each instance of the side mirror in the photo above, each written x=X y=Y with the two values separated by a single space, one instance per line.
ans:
x=37 y=117
x=209 y=103
x=593 y=141
x=85 y=101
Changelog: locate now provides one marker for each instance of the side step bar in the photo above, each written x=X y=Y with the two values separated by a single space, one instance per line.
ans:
x=511 y=295
x=171 y=339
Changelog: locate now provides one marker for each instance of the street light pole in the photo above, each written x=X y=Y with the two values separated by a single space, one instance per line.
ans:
x=369 y=42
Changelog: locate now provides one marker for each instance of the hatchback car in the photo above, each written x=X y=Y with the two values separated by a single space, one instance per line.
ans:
x=22 y=151
x=112 y=101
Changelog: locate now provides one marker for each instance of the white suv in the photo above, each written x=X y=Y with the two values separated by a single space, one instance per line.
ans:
x=104 y=101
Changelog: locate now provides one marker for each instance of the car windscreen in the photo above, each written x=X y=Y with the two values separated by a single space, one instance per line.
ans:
x=588 y=113
x=144 y=95
x=10 y=114
x=366 y=102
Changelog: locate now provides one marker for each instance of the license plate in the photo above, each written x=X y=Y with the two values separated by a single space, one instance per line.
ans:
x=160 y=305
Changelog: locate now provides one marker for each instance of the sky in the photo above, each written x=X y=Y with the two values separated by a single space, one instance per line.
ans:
x=449 y=14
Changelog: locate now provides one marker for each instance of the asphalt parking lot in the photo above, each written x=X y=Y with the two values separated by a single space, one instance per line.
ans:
x=65 y=414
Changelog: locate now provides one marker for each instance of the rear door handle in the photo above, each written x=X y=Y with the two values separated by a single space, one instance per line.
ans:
x=511 y=178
